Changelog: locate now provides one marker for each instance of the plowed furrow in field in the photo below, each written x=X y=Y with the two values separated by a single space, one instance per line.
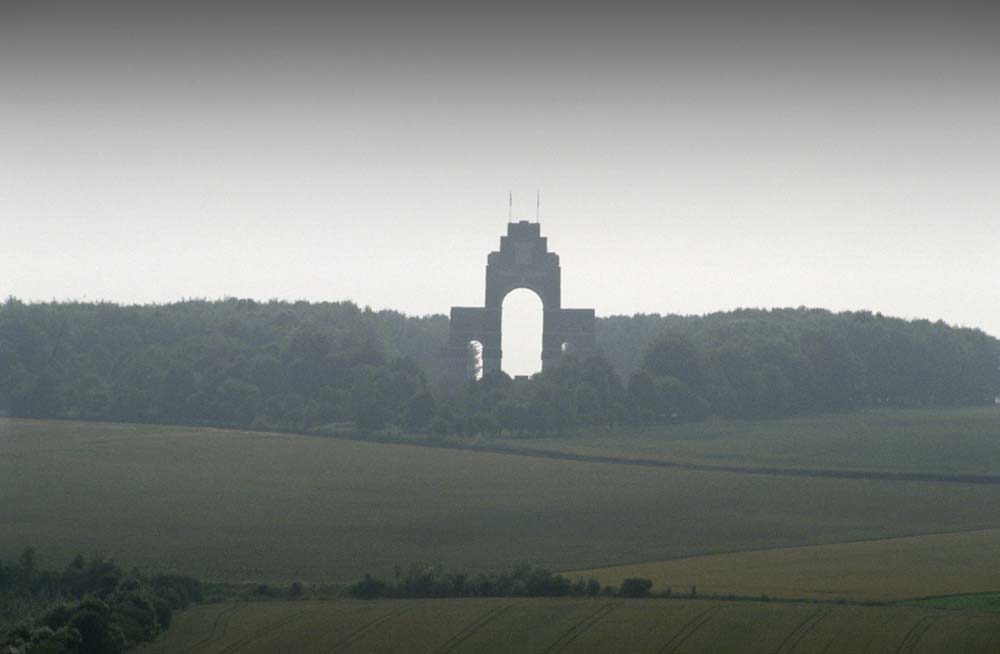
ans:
x=467 y=632
x=688 y=630
x=798 y=633
x=218 y=632
x=268 y=629
x=364 y=629
x=577 y=629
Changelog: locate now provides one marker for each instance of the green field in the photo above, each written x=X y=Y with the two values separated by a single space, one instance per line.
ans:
x=955 y=441
x=591 y=625
x=242 y=506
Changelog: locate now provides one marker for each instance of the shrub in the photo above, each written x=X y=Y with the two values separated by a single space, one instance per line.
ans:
x=368 y=588
x=164 y=613
x=136 y=615
x=263 y=590
x=180 y=590
x=99 y=634
x=635 y=587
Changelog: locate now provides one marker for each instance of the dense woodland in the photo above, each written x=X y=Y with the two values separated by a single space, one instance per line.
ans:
x=334 y=367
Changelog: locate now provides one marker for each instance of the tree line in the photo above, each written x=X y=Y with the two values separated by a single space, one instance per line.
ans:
x=431 y=581
x=239 y=363
x=329 y=367
x=753 y=363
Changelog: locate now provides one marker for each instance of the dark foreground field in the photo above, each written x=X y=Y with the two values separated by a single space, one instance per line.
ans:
x=592 y=625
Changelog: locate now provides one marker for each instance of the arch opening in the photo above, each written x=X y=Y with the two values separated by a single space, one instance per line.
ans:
x=521 y=329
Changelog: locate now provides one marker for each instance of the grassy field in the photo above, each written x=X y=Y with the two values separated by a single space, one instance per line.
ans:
x=962 y=441
x=592 y=625
x=976 y=602
x=241 y=506
x=888 y=569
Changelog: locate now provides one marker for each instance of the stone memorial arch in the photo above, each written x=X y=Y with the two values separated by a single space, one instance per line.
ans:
x=523 y=261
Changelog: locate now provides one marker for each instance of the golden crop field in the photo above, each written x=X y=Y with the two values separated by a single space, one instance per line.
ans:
x=887 y=569
x=573 y=625
x=244 y=506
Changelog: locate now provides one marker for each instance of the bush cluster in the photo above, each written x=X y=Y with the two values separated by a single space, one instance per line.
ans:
x=91 y=607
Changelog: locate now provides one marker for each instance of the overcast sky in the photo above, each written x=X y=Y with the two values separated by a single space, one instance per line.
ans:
x=737 y=155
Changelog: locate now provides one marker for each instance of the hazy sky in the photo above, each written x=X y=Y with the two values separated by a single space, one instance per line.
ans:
x=738 y=154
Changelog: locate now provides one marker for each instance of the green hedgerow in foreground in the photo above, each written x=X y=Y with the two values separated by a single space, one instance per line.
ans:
x=91 y=607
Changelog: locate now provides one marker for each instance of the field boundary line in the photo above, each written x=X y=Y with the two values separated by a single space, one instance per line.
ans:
x=773 y=471
x=832 y=473
x=571 y=634
x=469 y=630
x=800 y=631
x=981 y=593
x=686 y=631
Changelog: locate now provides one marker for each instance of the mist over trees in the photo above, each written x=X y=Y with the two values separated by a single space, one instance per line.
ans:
x=334 y=366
